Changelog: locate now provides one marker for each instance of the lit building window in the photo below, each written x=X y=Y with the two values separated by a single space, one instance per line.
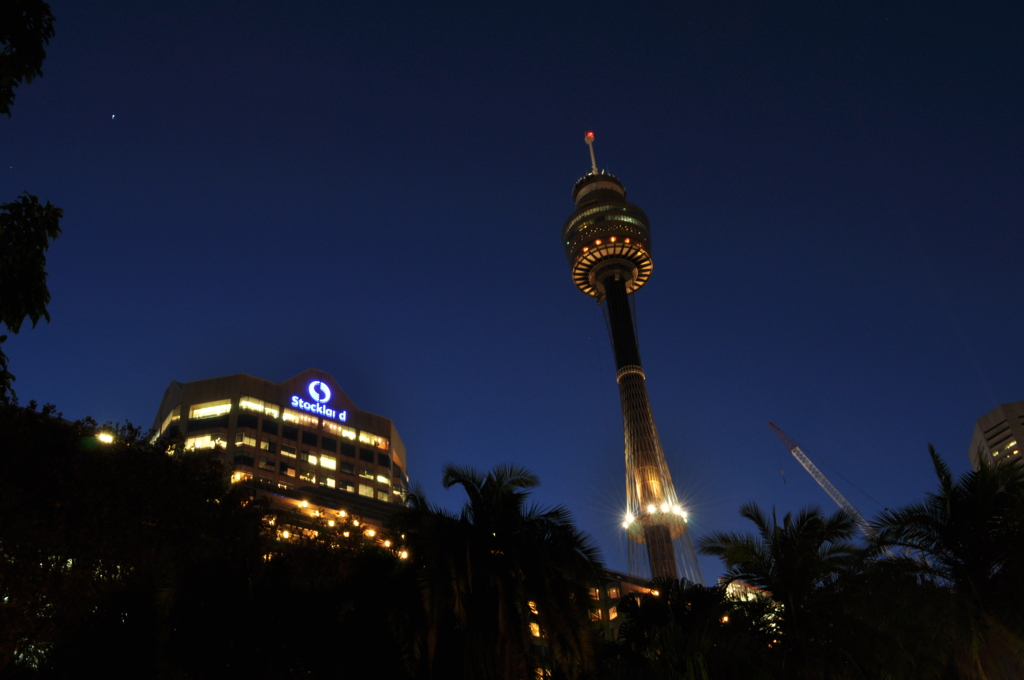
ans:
x=267 y=464
x=534 y=629
x=347 y=486
x=365 y=472
x=613 y=592
x=329 y=481
x=293 y=416
x=613 y=613
x=329 y=462
x=310 y=458
x=366 y=490
x=307 y=475
x=208 y=441
x=533 y=606
x=259 y=406
x=382 y=496
x=268 y=445
x=287 y=469
x=210 y=409
x=173 y=417
x=288 y=451
x=340 y=430
x=595 y=614
x=373 y=440
x=595 y=594
x=242 y=438
x=381 y=479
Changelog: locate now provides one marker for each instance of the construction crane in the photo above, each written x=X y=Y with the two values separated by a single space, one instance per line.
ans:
x=822 y=481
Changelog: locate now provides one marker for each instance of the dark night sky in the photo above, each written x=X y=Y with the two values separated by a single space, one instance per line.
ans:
x=377 y=190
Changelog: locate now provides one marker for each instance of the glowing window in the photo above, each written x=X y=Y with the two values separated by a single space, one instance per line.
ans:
x=310 y=457
x=288 y=451
x=210 y=409
x=259 y=406
x=534 y=629
x=613 y=613
x=307 y=475
x=365 y=472
x=268 y=445
x=329 y=481
x=383 y=480
x=287 y=469
x=173 y=417
x=267 y=464
x=241 y=438
x=340 y=430
x=366 y=490
x=205 y=442
x=329 y=462
x=293 y=416
x=595 y=594
x=595 y=614
x=613 y=592
x=373 y=440
x=382 y=496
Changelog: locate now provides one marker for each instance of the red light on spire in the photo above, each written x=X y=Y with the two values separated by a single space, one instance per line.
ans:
x=590 y=136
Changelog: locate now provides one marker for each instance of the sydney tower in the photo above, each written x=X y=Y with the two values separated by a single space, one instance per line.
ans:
x=608 y=244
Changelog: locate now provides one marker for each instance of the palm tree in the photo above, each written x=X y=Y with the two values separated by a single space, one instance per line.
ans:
x=503 y=585
x=799 y=563
x=969 y=536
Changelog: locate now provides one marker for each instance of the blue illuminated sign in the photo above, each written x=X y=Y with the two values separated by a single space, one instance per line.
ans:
x=321 y=394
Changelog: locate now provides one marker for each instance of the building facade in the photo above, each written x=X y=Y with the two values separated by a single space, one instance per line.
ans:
x=998 y=435
x=302 y=442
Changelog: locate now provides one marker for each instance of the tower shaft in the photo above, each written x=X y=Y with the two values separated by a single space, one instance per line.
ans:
x=648 y=481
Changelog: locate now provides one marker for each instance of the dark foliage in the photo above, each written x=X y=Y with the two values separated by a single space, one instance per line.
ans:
x=26 y=27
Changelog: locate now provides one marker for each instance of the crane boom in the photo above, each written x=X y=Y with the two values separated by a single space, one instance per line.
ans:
x=823 y=482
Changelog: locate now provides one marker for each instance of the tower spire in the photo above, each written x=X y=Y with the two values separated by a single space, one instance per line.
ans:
x=590 y=143
x=607 y=243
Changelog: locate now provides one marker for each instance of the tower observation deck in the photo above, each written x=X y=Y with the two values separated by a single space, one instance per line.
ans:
x=608 y=245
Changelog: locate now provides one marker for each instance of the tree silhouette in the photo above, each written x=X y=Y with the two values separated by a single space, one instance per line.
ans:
x=968 y=540
x=494 y=577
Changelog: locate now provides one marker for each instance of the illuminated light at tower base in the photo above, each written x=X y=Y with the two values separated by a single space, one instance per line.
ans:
x=607 y=242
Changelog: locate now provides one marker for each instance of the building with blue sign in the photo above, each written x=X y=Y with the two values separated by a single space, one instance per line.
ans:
x=299 y=441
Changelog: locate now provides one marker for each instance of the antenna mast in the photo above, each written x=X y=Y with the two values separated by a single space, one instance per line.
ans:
x=590 y=143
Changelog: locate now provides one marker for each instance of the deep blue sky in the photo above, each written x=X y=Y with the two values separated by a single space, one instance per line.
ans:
x=377 y=190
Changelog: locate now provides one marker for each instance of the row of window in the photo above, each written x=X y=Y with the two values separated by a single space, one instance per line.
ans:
x=613 y=593
x=310 y=476
x=347 y=450
x=215 y=414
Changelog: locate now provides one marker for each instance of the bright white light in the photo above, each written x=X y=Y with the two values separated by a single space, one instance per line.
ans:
x=664 y=507
x=651 y=509
x=105 y=437
x=685 y=515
